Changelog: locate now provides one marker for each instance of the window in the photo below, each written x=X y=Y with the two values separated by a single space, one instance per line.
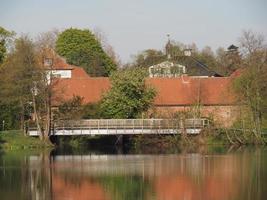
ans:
x=48 y=62
x=56 y=75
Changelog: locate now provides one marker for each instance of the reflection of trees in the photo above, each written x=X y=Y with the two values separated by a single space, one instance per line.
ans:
x=125 y=187
x=253 y=173
x=39 y=177
x=20 y=180
x=237 y=174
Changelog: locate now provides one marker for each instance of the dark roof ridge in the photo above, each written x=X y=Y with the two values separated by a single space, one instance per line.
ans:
x=205 y=66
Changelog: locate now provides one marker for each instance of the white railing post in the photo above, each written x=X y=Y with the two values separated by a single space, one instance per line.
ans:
x=107 y=126
x=63 y=128
x=98 y=125
x=142 y=126
x=133 y=124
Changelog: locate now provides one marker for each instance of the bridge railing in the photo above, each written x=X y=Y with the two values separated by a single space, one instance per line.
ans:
x=132 y=123
x=127 y=124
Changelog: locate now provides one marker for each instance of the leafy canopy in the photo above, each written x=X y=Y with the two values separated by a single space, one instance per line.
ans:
x=80 y=47
x=18 y=74
x=251 y=85
x=129 y=95
x=4 y=35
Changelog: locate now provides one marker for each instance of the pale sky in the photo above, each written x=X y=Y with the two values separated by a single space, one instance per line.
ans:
x=134 y=25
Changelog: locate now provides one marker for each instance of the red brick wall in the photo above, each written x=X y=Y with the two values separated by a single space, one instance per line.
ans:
x=222 y=115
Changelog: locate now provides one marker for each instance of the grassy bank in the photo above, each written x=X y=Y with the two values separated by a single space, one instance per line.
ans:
x=16 y=140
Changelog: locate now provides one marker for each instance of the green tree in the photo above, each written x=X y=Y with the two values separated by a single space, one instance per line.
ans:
x=17 y=75
x=207 y=56
x=80 y=47
x=9 y=115
x=4 y=36
x=23 y=83
x=148 y=58
x=251 y=86
x=129 y=95
x=92 y=111
x=71 y=109
x=2 y=51
x=174 y=49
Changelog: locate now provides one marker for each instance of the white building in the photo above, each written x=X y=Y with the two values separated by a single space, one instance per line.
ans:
x=57 y=68
x=166 y=69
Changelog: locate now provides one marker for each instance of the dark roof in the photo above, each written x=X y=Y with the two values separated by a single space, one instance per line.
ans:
x=197 y=68
x=232 y=47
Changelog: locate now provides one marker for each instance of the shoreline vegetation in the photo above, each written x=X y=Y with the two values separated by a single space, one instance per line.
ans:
x=16 y=140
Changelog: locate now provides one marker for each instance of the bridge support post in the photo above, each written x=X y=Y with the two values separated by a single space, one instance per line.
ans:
x=119 y=140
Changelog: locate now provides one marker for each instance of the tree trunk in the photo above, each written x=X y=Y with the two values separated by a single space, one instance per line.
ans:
x=37 y=121
x=47 y=126
x=48 y=118
x=22 y=119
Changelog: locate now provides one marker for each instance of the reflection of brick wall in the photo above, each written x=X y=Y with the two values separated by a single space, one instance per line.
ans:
x=218 y=182
x=222 y=115
x=78 y=188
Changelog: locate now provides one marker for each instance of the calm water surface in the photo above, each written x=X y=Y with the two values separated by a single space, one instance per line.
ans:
x=222 y=174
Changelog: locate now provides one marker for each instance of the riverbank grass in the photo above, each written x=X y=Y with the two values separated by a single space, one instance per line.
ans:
x=16 y=140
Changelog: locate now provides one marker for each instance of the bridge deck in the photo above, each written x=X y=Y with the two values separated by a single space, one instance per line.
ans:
x=125 y=127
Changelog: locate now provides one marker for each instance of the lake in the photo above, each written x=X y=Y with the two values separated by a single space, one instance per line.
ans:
x=207 y=173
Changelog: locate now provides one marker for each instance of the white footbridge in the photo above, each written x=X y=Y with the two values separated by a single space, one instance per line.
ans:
x=125 y=127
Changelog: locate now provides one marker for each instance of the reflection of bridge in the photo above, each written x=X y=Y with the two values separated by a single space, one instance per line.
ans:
x=126 y=127
x=144 y=165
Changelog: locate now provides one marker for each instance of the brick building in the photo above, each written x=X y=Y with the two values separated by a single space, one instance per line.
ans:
x=213 y=94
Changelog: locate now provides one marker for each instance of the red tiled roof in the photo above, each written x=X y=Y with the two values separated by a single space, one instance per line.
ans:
x=91 y=89
x=79 y=73
x=188 y=91
x=170 y=91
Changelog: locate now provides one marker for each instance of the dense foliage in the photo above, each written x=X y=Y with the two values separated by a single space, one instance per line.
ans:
x=17 y=76
x=251 y=86
x=23 y=89
x=222 y=62
x=2 y=51
x=70 y=110
x=129 y=95
x=4 y=36
x=9 y=115
x=148 y=58
x=81 y=48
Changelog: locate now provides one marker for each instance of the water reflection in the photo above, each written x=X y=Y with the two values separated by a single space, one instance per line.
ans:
x=240 y=174
x=20 y=179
